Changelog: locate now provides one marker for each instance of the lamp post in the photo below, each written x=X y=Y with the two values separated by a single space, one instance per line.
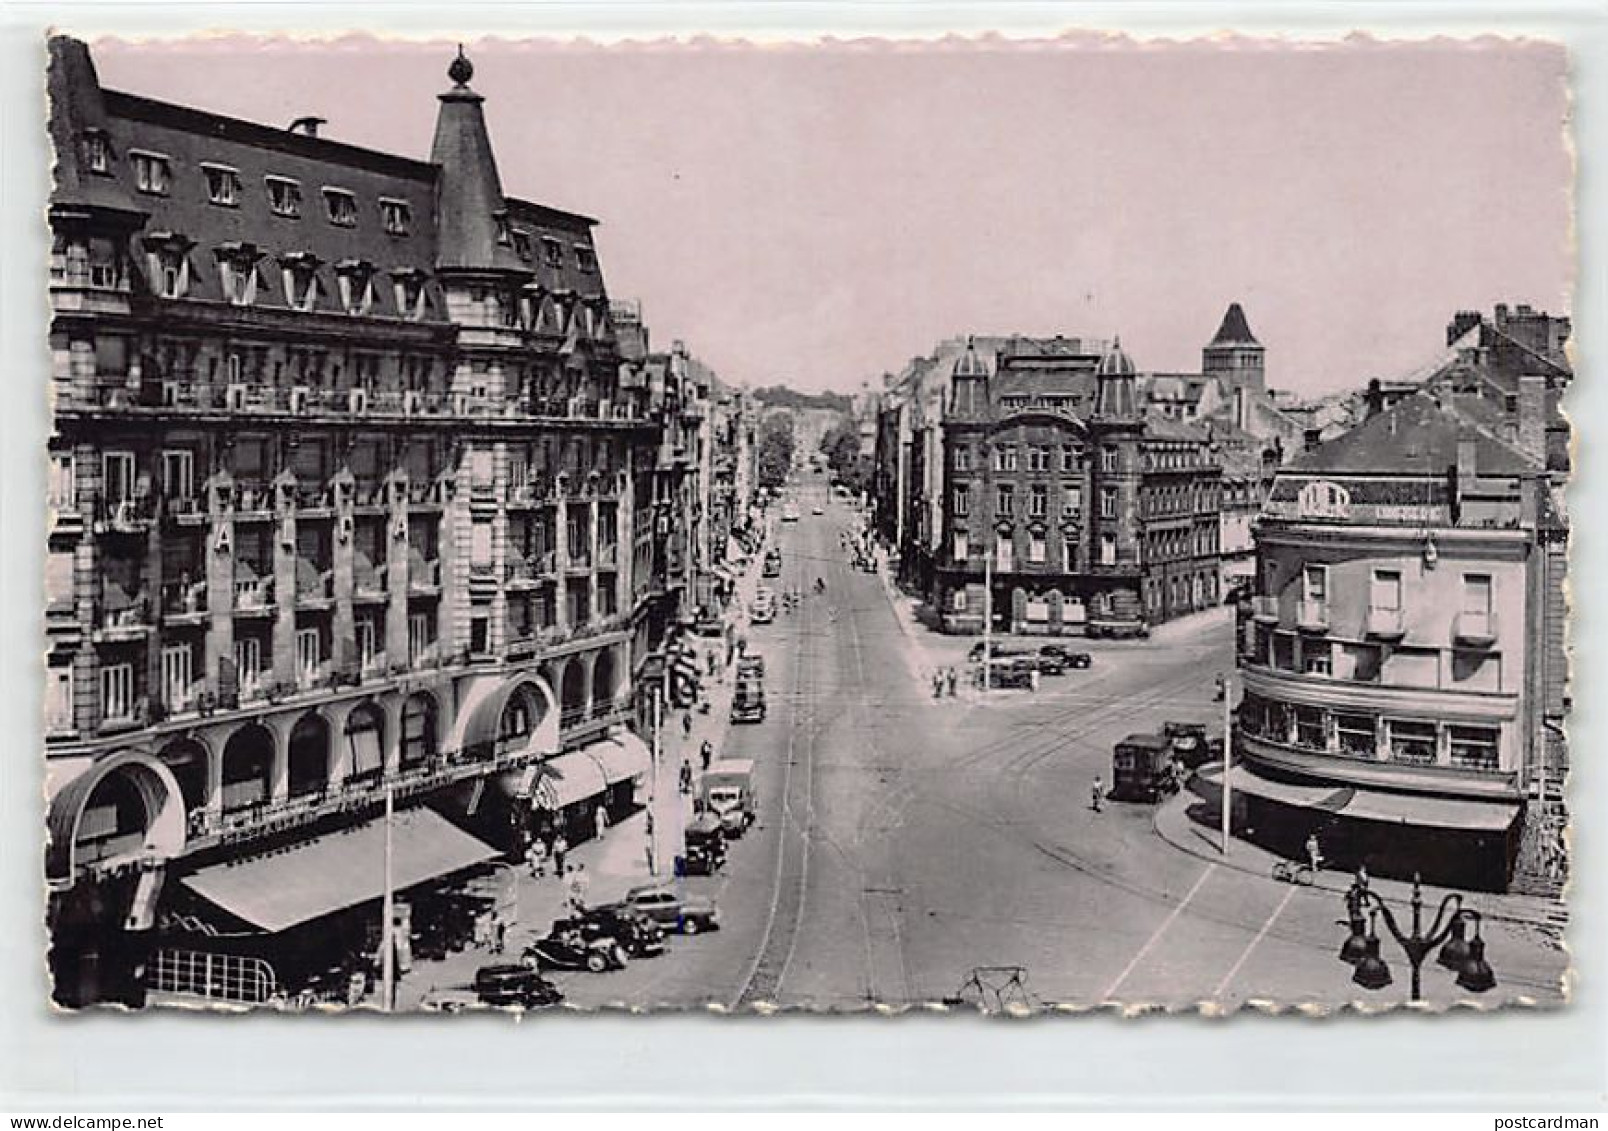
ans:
x=1462 y=954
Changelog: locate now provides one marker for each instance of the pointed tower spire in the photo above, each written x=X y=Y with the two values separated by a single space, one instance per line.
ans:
x=472 y=216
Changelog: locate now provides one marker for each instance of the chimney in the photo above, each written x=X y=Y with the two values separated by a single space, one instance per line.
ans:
x=307 y=126
x=1312 y=437
x=1462 y=322
x=1242 y=409
x=1376 y=398
x=1533 y=414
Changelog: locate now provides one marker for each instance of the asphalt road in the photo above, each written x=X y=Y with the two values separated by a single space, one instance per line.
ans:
x=905 y=842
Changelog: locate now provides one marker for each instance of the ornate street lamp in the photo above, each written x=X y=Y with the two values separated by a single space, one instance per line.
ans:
x=1462 y=954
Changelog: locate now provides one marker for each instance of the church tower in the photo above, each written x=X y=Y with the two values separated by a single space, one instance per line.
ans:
x=1234 y=356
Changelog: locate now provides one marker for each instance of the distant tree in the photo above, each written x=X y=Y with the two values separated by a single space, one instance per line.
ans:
x=775 y=449
x=780 y=396
x=841 y=446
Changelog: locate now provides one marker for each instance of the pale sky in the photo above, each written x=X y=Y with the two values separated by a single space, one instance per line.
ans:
x=816 y=216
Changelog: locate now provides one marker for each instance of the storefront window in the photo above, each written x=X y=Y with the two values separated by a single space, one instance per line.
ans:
x=1412 y=742
x=1284 y=652
x=1278 y=722
x=1475 y=748
x=1310 y=733
x=1252 y=716
x=1356 y=735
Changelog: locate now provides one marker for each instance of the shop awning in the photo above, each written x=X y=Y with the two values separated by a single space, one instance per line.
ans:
x=1433 y=812
x=1377 y=805
x=520 y=783
x=338 y=870
x=567 y=779
x=621 y=757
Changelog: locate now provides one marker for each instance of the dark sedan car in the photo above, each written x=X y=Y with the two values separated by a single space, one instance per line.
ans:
x=640 y=936
x=1068 y=657
x=515 y=984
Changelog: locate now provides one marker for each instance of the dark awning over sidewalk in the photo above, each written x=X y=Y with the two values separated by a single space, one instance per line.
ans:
x=1377 y=805
x=338 y=870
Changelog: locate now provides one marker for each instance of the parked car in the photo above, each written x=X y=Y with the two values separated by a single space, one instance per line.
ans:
x=1012 y=672
x=817 y=509
x=704 y=849
x=762 y=611
x=514 y=983
x=998 y=651
x=790 y=513
x=568 y=948
x=1068 y=657
x=751 y=664
x=666 y=906
x=640 y=936
x=1050 y=663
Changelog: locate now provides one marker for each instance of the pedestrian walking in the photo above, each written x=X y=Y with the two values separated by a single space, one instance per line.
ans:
x=1097 y=795
x=560 y=851
x=536 y=858
x=578 y=888
x=1314 y=852
x=953 y=680
x=686 y=724
x=499 y=935
x=686 y=775
x=600 y=821
x=706 y=754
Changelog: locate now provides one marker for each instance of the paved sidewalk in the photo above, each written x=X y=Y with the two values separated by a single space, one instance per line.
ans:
x=1174 y=824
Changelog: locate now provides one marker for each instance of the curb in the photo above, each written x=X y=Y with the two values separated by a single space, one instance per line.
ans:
x=1172 y=813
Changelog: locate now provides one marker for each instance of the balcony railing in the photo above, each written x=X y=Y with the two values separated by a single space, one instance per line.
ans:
x=253 y=594
x=1313 y=616
x=314 y=584
x=183 y=507
x=532 y=568
x=184 y=598
x=372 y=581
x=1475 y=629
x=1386 y=624
x=119 y=613
x=579 y=560
x=125 y=516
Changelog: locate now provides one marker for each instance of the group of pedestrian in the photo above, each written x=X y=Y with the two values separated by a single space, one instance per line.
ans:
x=945 y=681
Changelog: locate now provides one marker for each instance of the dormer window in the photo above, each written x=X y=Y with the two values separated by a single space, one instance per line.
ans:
x=300 y=275
x=552 y=253
x=585 y=258
x=237 y=268
x=341 y=207
x=284 y=196
x=396 y=216
x=97 y=152
x=168 y=263
x=505 y=235
x=522 y=245
x=153 y=173
x=410 y=300
x=223 y=185
x=356 y=281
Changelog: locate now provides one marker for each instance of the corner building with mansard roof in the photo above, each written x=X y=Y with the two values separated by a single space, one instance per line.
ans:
x=353 y=490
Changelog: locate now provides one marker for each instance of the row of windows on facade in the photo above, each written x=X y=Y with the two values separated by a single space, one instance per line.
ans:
x=1418 y=667
x=1037 y=549
x=180 y=689
x=153 y=175
x=1356 y=734
x=249 y=461
x=1038 y=501
x=1385 y=592
x=1041 y=457
x=1194 y=590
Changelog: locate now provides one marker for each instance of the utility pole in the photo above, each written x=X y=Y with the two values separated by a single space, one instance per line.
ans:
x=1228 y=756
x=388 y=913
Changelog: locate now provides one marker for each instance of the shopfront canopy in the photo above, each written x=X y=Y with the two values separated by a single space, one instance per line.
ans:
x=621 y=757
x=568 y=779
x=330 y=873
x=1377 y=805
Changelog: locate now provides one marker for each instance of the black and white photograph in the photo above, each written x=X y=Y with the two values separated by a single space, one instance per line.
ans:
x=542 y=525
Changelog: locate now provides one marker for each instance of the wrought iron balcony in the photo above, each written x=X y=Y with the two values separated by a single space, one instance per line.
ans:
x=1265 y=608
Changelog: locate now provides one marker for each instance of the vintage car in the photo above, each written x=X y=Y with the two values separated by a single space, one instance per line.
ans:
x=666 y=906
x=751 y=665
x=1069 y=658
x=1142 y=768
x=705 y=846
x=1050 y=663
x=640 y=936
x=1190 y=743
x=569 y=948
x=1013 y=671
x=512 y=984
